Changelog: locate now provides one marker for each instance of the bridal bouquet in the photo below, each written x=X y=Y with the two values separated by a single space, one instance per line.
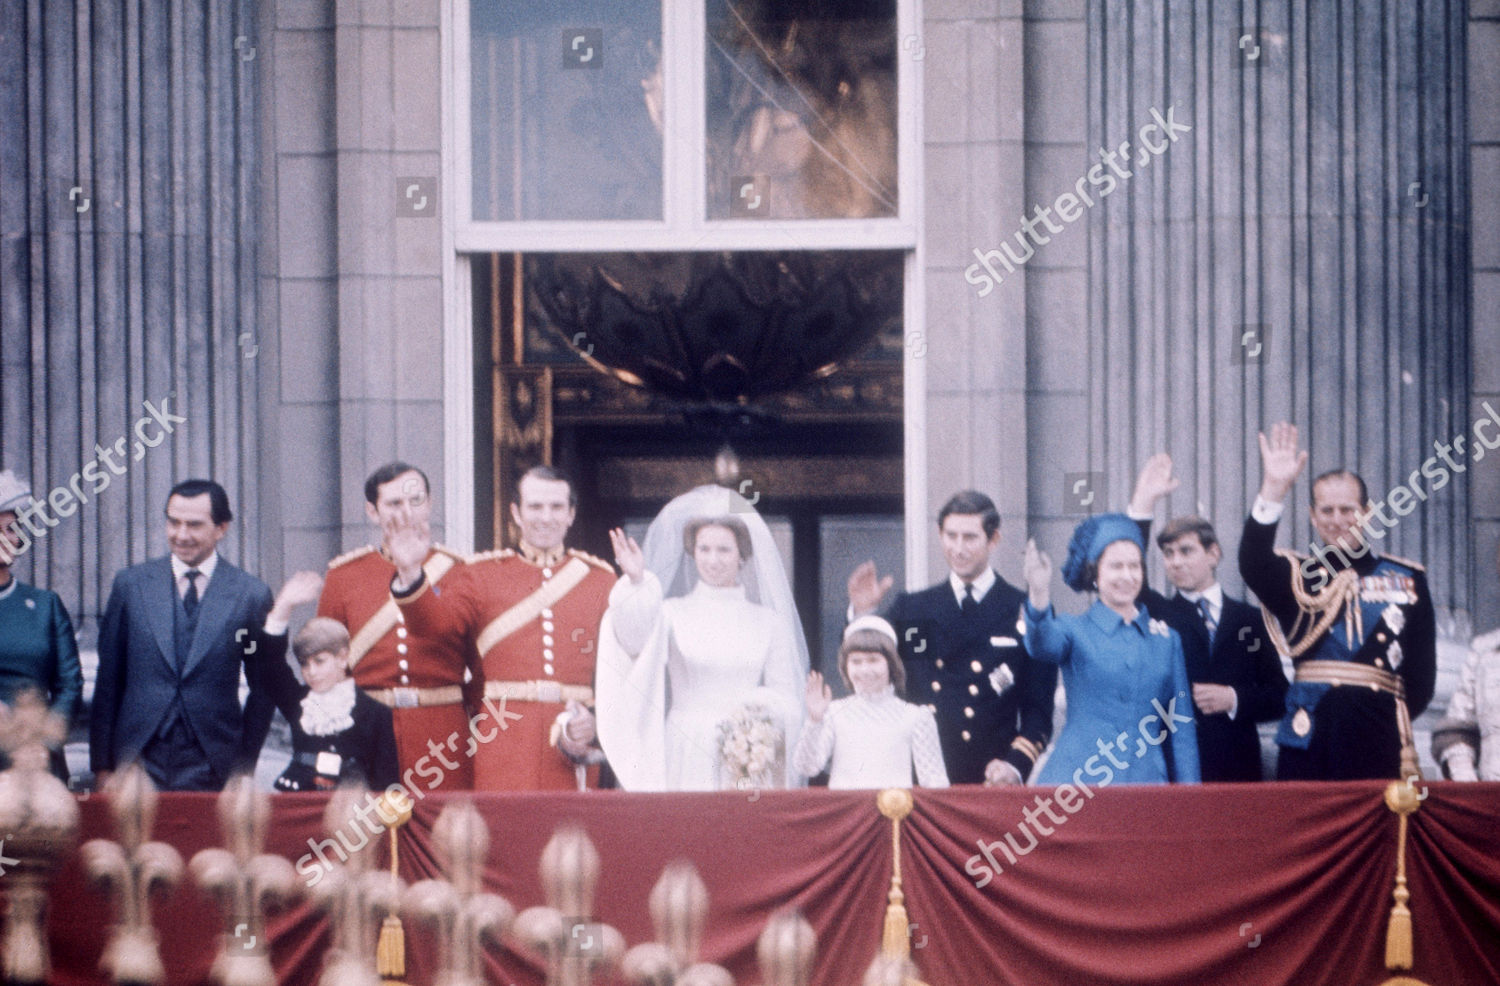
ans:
x=751 y=749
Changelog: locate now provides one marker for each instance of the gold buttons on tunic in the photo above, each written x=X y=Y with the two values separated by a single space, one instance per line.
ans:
x=547 y=668
x=965 y=735
x=968 y=712
x=973 y=689
x=401 y=631
x=940 y=662
x=976 y=667
x=937 y=686
x=400 y=648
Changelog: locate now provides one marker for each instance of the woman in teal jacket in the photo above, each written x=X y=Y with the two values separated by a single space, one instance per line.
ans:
x=37 y=646
x=1130 y=712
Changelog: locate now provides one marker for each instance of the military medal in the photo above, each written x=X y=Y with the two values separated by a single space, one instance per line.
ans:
x=1394 y=618
x=1301 y=722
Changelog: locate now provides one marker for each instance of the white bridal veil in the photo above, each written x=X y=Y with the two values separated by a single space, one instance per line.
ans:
x=631 y=690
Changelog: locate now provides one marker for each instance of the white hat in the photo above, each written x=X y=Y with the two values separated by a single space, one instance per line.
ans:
x=15 y=495
x=871 y=622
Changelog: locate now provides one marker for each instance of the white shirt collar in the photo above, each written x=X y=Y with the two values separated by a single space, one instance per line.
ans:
x=982 y=584
x=1214 y=594
x=180 y=569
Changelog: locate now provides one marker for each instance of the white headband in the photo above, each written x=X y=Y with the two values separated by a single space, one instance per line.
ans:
x=872 y=622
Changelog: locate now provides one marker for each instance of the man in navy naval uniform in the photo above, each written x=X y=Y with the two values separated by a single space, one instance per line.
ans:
x=1358 y=626
x=961 y=641
x=1236 y=673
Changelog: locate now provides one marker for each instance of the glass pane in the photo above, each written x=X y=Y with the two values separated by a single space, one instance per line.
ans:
x=566 y=109
x=801 y=109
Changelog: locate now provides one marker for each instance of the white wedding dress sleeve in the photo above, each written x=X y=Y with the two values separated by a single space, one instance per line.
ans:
x=630 y=685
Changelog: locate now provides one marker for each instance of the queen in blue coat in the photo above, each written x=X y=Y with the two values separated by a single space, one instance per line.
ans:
x=1130 y=712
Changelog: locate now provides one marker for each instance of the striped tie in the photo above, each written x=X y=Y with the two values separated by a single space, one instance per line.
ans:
x=1208 y=616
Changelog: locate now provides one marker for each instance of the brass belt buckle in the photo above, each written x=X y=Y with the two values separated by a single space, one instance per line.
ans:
x=548 y=691
x=406 y=698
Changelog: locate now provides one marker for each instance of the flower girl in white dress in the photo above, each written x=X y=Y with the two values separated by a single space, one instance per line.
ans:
x=874 y=737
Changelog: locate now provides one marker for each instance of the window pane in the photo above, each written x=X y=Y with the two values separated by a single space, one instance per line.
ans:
x=566 y=109
x=801 y=109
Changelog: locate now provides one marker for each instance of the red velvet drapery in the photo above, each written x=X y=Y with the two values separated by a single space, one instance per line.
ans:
x=1269 y=883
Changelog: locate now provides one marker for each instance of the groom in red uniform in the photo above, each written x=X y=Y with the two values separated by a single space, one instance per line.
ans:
x=532 y=616
x=419 y=675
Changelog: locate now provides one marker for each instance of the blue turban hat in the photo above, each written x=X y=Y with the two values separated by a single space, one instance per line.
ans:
x=1090 y=538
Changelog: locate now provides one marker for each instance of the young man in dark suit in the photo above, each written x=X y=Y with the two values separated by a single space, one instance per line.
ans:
x=175 y=634
x=962 y=644
x=1235 y=671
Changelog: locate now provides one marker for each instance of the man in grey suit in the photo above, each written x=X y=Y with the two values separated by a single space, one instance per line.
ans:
x=175 y=633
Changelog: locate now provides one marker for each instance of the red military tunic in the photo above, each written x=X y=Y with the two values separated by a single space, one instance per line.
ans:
x=357 y=586
x=553 y=646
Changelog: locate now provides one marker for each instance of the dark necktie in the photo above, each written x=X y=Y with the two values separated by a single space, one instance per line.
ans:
x=1208 y=616
x=190 y=598
x=970 y=605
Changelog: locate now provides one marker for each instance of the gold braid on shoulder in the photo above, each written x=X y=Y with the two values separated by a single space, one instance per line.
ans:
x=1316 y=611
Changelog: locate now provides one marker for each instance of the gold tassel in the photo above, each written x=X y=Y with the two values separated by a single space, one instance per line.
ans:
x=390 y=953
x=1398 y=938
x=896 y=941
x=1401 y=798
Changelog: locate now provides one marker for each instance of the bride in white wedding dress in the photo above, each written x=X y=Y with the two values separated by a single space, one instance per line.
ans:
x=700 y=627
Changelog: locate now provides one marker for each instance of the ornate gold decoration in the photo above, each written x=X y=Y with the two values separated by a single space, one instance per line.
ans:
x=39 y=819
x=679 y=913
x=895 y=944
x=459 y=911
x=356 y=896
x=394 y=809
x=786 y=950
x=1400 y=797
x=246 y=881
x=130 y=871
x=574 y=945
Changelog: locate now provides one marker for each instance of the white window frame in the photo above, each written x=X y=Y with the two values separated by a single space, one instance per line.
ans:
x=683 y=227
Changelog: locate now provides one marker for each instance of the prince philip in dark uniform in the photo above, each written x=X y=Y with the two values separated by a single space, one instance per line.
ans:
x=962 y=644
x=1358 y=626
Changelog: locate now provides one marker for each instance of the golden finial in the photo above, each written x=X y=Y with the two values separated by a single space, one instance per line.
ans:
x=461 y=912
x=246 y=881
x=39 y=819
x=786 y=949
x=131 y=871
x=574 y=945
x=679 y=913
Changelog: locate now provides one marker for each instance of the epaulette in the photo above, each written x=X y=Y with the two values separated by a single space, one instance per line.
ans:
x=1415 y=566
x=349 y=556
x=445 y=550
x=498 y=553
x=592 y=560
